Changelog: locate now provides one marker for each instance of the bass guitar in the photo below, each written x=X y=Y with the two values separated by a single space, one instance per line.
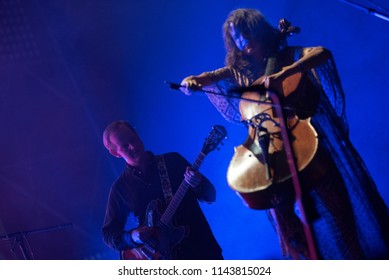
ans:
x=162 y=246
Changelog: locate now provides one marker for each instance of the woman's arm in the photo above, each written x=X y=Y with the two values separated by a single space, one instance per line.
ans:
x=311 y=58
x=193 y=83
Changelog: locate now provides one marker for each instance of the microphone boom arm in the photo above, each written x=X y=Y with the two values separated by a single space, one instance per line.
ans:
x=370 y=11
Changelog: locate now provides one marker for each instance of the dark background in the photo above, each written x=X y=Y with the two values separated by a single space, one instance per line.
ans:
x=68 y=68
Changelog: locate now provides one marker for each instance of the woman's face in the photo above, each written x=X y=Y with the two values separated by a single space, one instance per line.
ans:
x=246 y=45
x=236 y=35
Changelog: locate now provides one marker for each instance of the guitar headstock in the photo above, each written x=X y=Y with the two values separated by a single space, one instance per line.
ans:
x=214 y=138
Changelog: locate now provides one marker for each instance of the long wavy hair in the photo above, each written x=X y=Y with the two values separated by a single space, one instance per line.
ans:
x=253 y=26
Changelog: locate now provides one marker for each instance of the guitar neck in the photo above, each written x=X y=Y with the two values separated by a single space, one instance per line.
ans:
x=167 y=216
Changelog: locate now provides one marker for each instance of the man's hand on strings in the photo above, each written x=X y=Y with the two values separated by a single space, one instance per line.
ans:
x=142 y=234
x=193 y=177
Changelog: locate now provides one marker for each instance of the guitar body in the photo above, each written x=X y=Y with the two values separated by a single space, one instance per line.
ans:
x=161 y=247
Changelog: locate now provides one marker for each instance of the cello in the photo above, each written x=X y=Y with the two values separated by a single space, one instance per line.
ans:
x=279 y=145
x=260 y=168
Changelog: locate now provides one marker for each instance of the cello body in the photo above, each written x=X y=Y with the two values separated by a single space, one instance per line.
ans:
x=259 y=170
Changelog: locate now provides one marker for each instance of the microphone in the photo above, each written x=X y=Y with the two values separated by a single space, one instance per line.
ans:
x=174 y=85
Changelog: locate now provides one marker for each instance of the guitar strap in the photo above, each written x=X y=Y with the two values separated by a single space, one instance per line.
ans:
x=164 y=176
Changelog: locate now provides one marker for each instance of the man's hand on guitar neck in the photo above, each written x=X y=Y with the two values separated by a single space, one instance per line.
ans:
x=142 y=234
x=193 y=177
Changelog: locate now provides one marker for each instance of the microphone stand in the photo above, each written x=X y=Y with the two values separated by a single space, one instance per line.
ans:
x=370 y=11
x=21 y=236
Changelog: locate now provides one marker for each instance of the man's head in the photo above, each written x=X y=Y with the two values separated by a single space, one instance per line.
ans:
x=122 y=141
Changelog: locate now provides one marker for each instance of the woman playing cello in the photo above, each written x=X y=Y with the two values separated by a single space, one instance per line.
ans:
x=346 y=214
